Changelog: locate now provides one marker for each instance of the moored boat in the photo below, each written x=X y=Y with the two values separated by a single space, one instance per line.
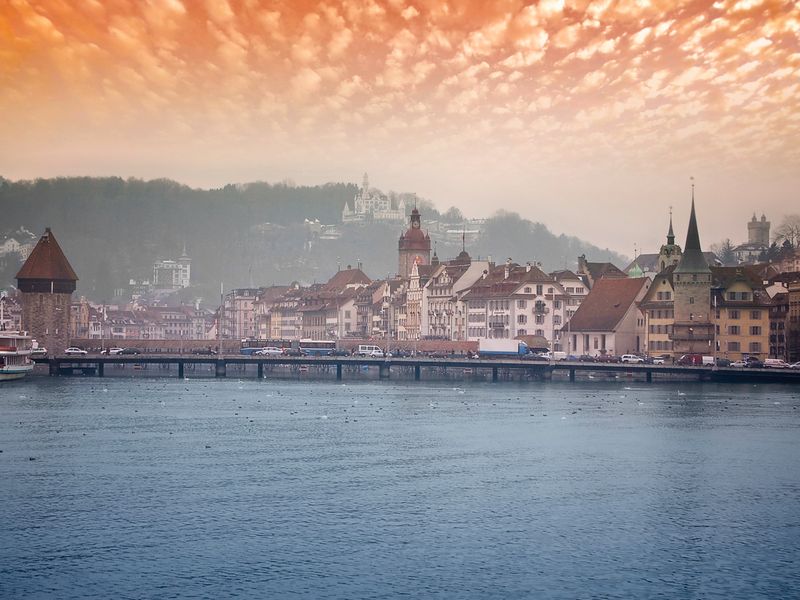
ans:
x=15 y=355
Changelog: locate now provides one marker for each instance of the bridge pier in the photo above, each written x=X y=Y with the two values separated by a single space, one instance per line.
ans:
x=338 y=371
x=180 y=369
x=494 y=374
x=649 y=376
x=383 y=371
x=417 y=372
x=260 y=369
x=572 y=375
x=220 y=370
x=53 y=368
x=100 y=369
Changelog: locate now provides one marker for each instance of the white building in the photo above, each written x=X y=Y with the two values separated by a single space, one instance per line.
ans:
x=173 y=274
x=372 y=205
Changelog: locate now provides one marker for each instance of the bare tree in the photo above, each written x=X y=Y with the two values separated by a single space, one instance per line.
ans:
x=724 y=252
x=788 y=231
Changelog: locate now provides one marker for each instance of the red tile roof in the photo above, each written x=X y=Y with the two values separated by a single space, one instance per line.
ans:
x=47 y=261
x=606 y=304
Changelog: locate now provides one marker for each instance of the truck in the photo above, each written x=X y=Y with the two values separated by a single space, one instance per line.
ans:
x=498 y=348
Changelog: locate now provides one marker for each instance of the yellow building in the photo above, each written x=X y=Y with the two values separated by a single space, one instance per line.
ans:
x=658 y=309
x=741 y=314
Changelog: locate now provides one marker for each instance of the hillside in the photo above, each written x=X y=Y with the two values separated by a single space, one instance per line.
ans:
x=113 y=229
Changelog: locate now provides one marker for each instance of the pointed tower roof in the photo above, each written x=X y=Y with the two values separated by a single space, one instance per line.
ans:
x=693 y=260
x=47 y=262
x=670 y=233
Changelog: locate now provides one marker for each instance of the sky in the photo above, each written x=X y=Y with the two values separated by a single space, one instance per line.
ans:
x=589 y=116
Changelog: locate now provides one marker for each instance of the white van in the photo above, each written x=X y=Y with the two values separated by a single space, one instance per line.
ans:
x=558 y=355
x=369 y=350
x=708 y=360
x=775 y=363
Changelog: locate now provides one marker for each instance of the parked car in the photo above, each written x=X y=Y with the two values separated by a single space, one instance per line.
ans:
x=723 y=362
x=39 y=352
x=204 y=351
x=74 y=351
x=540 y=357
x=369 y=350
x=631 y=358
x=269 y=351
x=111 y=351
x=775 y=363
x=691 y=360
x=738 y=364
x=753 y=363
x=607 y=358
x=130 y=351
x=293 y=352
x=795 y=365
x=339 y=352
x=660 y=359
x=586 y=358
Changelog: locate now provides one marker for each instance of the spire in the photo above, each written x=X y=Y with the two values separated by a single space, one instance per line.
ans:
x=693 y=260
x=464 y=239
x=670 y=233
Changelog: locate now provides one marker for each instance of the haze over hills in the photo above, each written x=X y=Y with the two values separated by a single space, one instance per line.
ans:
x=113 y=229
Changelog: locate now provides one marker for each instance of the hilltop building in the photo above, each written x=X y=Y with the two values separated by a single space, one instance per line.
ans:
x=372 y=205
x=173 y=274
x=757 y=241
x=46 y=282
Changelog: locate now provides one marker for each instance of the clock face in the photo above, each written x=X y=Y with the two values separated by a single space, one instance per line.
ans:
x=415 y=224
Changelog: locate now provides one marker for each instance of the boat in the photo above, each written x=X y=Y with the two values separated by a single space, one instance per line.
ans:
x=15 y=355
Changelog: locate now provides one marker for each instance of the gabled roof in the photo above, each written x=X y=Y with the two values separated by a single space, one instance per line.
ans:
x=606 y=304
x=347 y=277
x=47 y=261
x=599 y=270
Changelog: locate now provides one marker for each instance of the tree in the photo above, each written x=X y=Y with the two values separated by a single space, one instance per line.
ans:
x=724 y=252
x=453 y=215
x=788 y=230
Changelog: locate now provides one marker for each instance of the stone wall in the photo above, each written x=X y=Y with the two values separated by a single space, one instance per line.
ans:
x=45 y=317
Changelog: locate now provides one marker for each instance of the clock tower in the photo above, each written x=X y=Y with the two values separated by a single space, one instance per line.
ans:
x=414 y=246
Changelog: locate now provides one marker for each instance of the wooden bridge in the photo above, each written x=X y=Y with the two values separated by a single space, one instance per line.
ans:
x=91 y=364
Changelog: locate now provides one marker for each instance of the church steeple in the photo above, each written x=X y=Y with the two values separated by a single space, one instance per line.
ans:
x=693 y=260
x=670 y=233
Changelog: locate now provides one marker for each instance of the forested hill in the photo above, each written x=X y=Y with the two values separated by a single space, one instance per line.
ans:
x=112 y=230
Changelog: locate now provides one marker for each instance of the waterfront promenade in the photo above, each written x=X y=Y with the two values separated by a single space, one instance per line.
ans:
x=535 y=370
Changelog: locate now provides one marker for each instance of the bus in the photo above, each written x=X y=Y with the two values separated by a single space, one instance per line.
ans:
x=308 y=347
x=317 y=347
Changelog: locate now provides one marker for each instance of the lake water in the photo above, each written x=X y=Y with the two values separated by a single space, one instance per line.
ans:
x=159 y=488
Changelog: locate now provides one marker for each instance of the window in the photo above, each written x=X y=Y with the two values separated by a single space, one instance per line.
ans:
x=522 y=319
x=733 y=314
x=528 y=290
x=521 y=304
x=570 y=290
x=691 y=299
x=539 y=289
x=731 y=295
x=733 y=329
x=755 y=330
x=540 y=332
x=755 y=315
x=522 y=332
x=557 y=320
x=733 y=347
x=557 y=304
x=755 y=347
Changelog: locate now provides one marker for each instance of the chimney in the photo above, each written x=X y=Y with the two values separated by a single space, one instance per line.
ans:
x=507 y=270
x=528 y=267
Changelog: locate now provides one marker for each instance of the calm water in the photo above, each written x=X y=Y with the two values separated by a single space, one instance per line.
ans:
x=158 y=488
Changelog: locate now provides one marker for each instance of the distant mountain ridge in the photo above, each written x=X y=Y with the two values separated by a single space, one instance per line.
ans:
x=112 y=229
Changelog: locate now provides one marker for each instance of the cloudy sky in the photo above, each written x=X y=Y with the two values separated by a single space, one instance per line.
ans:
x=589 y=116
